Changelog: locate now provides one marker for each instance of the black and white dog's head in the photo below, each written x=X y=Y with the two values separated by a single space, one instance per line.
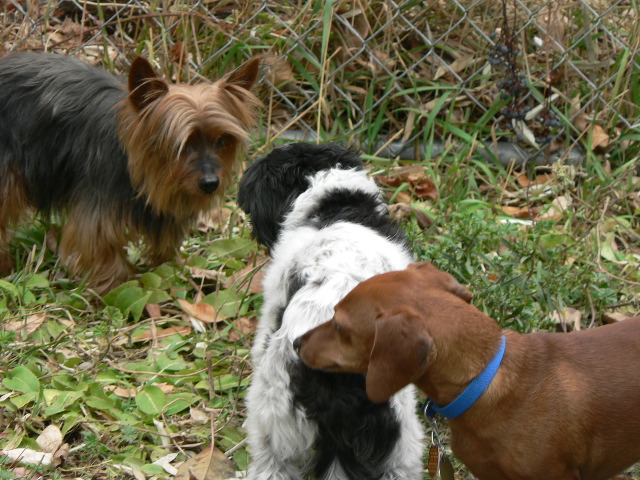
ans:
x=341 y=190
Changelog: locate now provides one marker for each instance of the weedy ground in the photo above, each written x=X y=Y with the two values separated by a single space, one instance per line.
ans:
x=157 y=370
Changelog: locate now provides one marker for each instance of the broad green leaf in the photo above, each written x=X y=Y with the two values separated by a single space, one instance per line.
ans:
x=125 y=417
x=141 y=366
x=232 y=247
x=167 y=364
x=9 y=288
x=58 y=401
x=198 y=261
x=151 y=469
x=151 y=400
x=133 y=462
x=555 y=240
x=28 y=298
x=70 y=420
x=158 y=296
x=72 y=362
x=108 y=377
x=112 y=297
x=166 y=271
x=136 y=308
x=151 y=280
x=22 y=380
x=226 y=302
x=180 y=401
x=98 y=399
x=130 y=300
x=64 y=382
x=56 y=396
x=99 y=403
x=228 y=382
x=38 y=281
x=21 y=400
x=54 y=328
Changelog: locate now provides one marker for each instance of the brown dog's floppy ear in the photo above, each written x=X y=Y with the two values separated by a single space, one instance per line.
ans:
x=401 y=352
x=420 y=265
x=450 y=283
x=459 y=290
x=145 y=85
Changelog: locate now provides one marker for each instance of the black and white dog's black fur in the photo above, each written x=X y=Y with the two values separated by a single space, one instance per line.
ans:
x=327 y=228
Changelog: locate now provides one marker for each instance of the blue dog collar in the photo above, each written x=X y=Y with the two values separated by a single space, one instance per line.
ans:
x=470 y=394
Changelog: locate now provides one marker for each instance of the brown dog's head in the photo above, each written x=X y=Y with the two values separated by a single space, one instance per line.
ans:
x=381 y=328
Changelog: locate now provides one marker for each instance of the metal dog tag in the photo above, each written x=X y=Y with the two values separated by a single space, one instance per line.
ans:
x=446 y=468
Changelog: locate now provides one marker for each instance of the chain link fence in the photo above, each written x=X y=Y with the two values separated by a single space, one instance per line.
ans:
x=520 y=79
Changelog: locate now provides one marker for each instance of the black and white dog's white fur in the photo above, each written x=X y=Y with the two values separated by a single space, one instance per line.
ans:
x=327 y=228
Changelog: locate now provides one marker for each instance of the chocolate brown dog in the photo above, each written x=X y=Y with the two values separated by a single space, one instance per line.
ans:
x=561 y=405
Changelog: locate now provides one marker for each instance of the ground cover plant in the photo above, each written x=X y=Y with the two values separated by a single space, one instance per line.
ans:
x=142 y=382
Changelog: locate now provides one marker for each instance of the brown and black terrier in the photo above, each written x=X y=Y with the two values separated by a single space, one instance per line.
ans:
x=121 y=165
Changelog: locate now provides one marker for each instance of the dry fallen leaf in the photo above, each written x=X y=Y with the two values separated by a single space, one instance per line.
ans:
x=402 y=211
x=165 y=463
x=599 y=138
x=199 y=416
x=210 y=464
x=614 y=317
x=279 y=71
x=21 y=472
x=415 y=177
x=456 y=66
x=121 y=392
x=525 y=181
x=201 y=311
x=243 y=327
x=165 y=387
x=558 y=206
x=216 y=275
x=214 y=219
x=568 y=319
x=26 y=455
x=149 y=334
x=154 y=310
x=517 y=212
x=50 y=439
x=27 y=326
x=61 y=454
x=253 y=273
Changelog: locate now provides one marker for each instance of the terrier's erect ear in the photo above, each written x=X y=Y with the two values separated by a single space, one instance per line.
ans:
x=245 y=75
x=145 y=86
x=401 y=353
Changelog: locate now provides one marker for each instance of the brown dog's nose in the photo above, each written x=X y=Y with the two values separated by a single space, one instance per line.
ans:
x=297 y=343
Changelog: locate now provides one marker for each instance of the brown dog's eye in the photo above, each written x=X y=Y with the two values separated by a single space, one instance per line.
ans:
x=336 y=326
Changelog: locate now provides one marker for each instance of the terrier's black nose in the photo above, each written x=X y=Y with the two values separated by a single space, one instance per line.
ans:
x=209 y=183
x=297 y=344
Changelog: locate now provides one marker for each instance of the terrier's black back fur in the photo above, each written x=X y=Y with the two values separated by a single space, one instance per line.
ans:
x=271 y=184
x=63 y=111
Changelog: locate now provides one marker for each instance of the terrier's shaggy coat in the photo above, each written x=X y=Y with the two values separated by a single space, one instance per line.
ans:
x=120 y=164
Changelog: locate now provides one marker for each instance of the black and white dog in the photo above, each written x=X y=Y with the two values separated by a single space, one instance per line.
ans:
x=327 y=228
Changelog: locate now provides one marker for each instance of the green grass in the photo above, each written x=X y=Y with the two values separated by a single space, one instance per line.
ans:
x=129 y=380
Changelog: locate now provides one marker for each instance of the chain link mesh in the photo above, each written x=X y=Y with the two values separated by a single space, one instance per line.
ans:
x=545 y=75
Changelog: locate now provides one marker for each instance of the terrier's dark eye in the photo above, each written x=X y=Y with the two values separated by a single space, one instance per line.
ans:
x=223 y=140
x=336 y=326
